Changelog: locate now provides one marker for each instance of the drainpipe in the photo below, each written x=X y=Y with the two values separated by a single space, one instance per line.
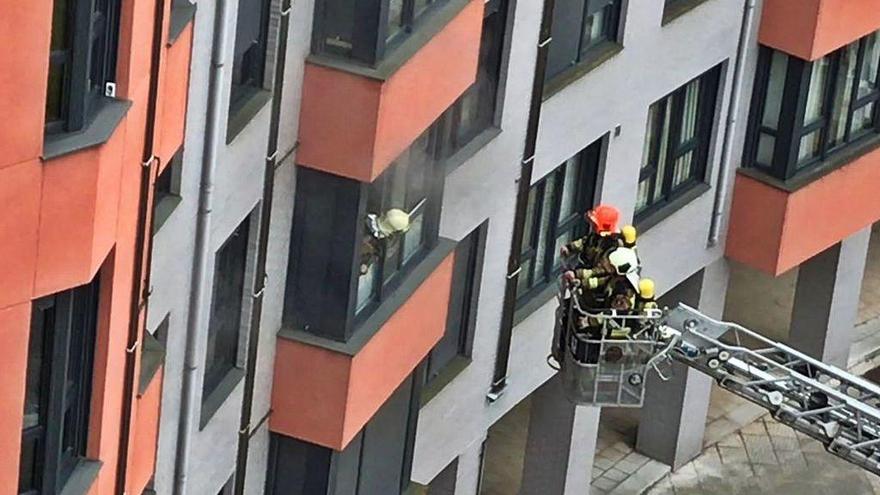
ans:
x=213 y=138
x=144 y=252
x=246 y=429
x=721 y=193
x=505 y=334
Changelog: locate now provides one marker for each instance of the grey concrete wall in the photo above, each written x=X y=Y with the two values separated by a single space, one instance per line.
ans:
x=655 y=61
x=237 y=191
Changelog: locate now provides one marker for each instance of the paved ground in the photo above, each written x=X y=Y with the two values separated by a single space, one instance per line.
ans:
x=767 y=458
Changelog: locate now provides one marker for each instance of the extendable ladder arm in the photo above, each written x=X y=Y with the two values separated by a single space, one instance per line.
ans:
x=840 y=410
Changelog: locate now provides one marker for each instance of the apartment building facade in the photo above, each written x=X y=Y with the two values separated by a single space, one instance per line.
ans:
x=193 y=300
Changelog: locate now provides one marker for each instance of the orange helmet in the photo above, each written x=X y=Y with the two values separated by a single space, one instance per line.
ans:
x=604 y=218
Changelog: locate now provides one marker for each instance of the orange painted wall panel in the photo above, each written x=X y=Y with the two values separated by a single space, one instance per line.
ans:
x=309 y=392
x=773 y=230
x=326 y=397
x=24 y=31
x=146 y=435
x=428 y=84
x=14 y=334
x=757 y=217
x=173 y=96
x=813 y=221
x=810 y=29
x=355 y=126
x=20 y=187
x=337 y=125
x=381 y=366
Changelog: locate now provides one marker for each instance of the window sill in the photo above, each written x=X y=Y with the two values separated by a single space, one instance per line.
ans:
x=98 y=130
x=152 y=358
x=834 y=163
x=164 y=208
x=467 y=151
x=245 y=113
x=654 y=217
x=594 y=58
x=182 y=13
x=399 y=55
x=677 y=8
x=83 y=477
x=369 y=327
x=218 y=396
x=533 y=303
x=444 y=378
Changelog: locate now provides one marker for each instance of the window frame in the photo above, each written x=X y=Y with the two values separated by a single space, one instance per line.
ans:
x=242 y=92
x=370 y=41
x=80 y=97
x=573 y=223
x=74 y=313
x=429 y=208
x=586 y=53
x=699 y=144
x=213 y=385
x=791 y=128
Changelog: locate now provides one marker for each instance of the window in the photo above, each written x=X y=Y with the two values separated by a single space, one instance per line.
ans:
x=463 y=300
x=554 y=218
x=82 y=60
x=804 y=112
x=408 y=185
x=475 y=109
x=365 y=30
x=677 y=141
x=579 y=27
x=249 y=59
x=58 y=388
x=166 y=196
x=224 y=328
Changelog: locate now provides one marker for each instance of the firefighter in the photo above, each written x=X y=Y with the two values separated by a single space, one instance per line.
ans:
x=603 y=237
x=381 y=229
x=645 y=299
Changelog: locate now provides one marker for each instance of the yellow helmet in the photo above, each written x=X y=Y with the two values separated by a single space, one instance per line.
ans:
x=393 y=221
x=629 y=234
x=646 y=288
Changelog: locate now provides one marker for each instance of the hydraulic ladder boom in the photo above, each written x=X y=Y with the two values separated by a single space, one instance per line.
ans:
x=840 y=410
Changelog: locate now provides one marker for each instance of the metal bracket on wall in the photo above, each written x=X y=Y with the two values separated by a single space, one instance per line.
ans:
x=497 y=390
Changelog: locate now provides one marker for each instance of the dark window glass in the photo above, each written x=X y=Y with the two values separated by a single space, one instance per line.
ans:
x=463 y=300
x=407 y=185
x=580 y=26
x=82 y=59
x=474 y=111
x=676 y=145
x=249 y=58
x=365 y=30
x=553 y=218
x=58 y=388
x=167 y=190
x=805 y=112
x=221 y=354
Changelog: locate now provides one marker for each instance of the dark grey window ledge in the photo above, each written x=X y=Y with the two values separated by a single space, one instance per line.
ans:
x=369 y=327
x=164 y=208
x=471 y=148
x=241 y=117
x=182 y=13
x=218 y=396
x=152 y=358
x=645 y=222
x=837 y=161
x=110 y=113
x=83 y=477
x=673 y=9
x=398 y=56
x=595 y=57
x=532 y=304
x=449 y=373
